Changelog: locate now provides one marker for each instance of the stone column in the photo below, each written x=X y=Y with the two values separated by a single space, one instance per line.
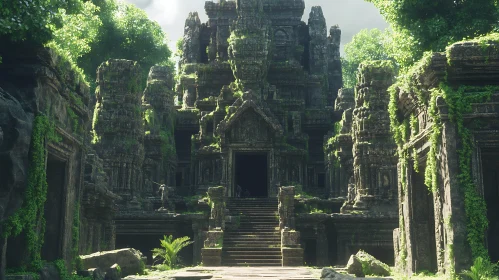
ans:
x=118 y=125
x=335 y=77
x=191 y=44
x=217 y=217
x=159 y=142
x=286 y=207
x=211 y=254
x=374 y=150
x=322 y=246
x=317 y=30
x=249 y=55
x=292 y=254
x=198 y=241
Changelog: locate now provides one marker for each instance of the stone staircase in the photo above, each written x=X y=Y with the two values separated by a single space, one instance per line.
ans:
x=256 y=241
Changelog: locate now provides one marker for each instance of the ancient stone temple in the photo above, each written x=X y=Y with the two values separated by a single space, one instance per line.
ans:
x=253 y=150
x=48 y=196
x=257 y=87
x=448 y=161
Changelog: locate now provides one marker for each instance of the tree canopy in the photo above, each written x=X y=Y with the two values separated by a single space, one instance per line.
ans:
x=87 y=32
x=127 y=33
x=366 y=45
x=429 y=25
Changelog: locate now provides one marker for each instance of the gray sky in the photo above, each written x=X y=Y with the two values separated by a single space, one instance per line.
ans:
x=350 y=15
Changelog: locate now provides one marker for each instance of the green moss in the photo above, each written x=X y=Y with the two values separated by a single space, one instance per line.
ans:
x=76 y=262
x=30 y=217
x=74 y=119
x=149 y=117
x=459 y=103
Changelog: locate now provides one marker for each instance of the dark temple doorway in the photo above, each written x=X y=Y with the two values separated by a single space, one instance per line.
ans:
x=251 y=175
x=56 y=179
x=423 y=222
x=490 y=167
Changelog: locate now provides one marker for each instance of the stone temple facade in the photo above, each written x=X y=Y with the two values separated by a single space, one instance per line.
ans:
x=253 y=150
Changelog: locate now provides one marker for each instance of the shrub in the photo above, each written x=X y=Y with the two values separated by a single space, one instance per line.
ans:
x=169 y=250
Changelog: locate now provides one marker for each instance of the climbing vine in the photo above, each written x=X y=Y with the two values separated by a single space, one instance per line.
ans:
x=30 y=217
x=459 y=102
x=76 y=262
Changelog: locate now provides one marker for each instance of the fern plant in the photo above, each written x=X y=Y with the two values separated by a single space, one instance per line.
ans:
x=170 y=248
x=482 y=269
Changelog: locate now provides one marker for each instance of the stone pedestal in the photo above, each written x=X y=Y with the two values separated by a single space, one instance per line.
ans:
x=292 y=254
x=211 y=256
x=217 y=216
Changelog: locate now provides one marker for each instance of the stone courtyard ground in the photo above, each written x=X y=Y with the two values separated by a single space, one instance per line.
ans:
x=238 y=273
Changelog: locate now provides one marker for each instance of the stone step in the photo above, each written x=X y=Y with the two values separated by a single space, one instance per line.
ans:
x=251 y=239
x=256 y=228
x=254 y=263
x=245 y=212
x=251 y=233
x=243 y=256
x=251 y=243
x=252 y=249
x=252 y=255
x=253 y=222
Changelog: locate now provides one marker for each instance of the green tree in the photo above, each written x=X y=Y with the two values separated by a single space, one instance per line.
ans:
x=32 y=19
x=77 y=31
x=170 y=248
x=365 y=45
x=126 y=33
x=429 y=25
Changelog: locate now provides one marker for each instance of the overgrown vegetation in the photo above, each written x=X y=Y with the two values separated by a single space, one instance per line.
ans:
x=30 y=217
x=168 y=252
x=459 y=101
x=366 y=45
x=85 y=33
x=482 y=270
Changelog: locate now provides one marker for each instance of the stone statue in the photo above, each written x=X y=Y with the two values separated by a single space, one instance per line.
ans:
x=163 y=189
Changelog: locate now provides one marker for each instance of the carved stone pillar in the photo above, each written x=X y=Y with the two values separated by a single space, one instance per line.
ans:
x=322 y=246
x=198 y=241
x=217 y=217
x=292 y=254
x=286 y=207
x=374 y=150
x=118 y=125
x=212 y=252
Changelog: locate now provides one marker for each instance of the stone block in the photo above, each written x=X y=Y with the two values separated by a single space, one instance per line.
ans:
x=329 y=274
x=292 y=256
x=113 y=272
x=211 y=256
x=93 y=273
x=49 y=272
x=214 y=239
x=129 y=260
x=371 y=265
x=354 y=266
x=290 y=238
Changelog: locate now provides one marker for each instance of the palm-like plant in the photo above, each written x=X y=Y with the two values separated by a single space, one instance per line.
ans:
x=170 y=248
x=482 y=269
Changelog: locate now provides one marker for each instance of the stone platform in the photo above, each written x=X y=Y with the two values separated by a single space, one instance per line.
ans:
x=236 y=273
x=240 y=273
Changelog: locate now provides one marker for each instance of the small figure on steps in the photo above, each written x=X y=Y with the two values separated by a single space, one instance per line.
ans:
x=239 y=191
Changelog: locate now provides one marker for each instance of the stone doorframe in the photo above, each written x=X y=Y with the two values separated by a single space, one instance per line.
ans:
x=272 y=167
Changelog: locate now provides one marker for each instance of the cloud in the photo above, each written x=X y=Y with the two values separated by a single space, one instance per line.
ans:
x=350 y=15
